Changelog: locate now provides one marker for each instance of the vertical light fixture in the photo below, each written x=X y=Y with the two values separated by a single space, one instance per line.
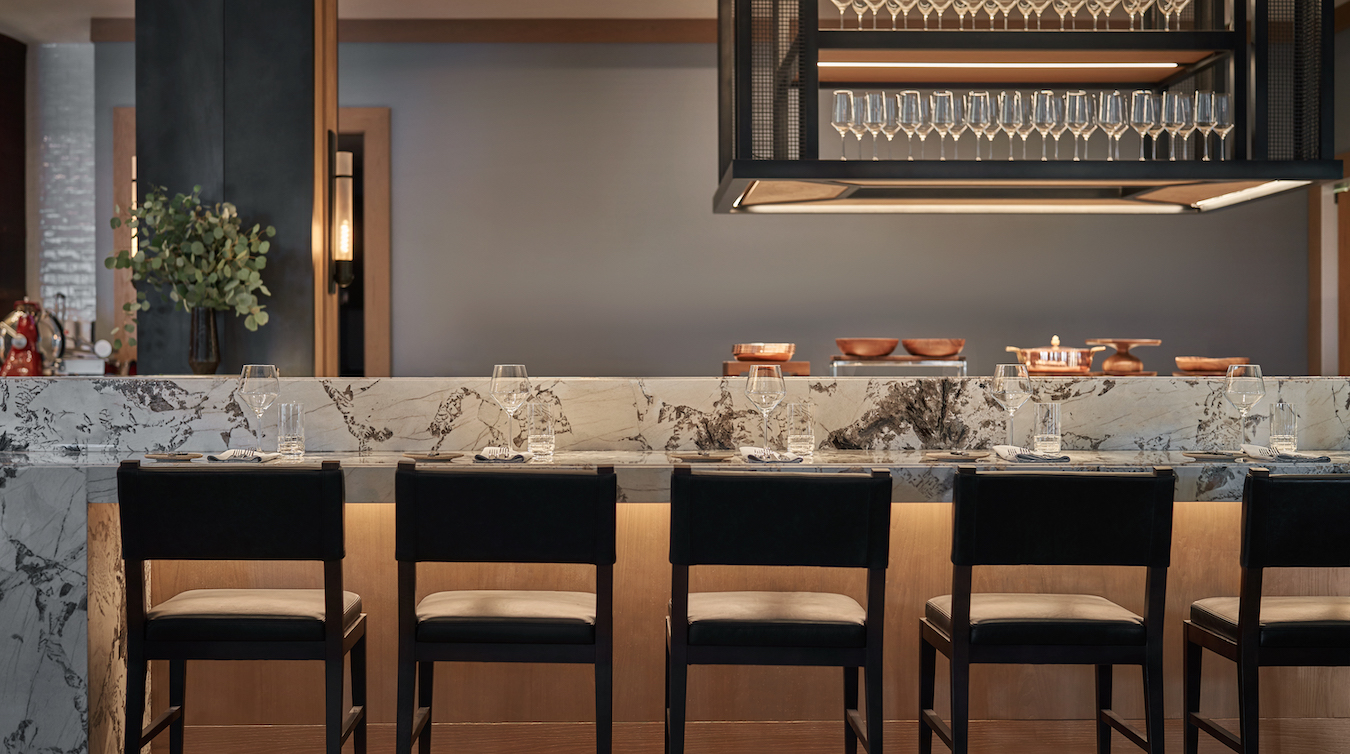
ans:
x=135 y=247
x=343 y=267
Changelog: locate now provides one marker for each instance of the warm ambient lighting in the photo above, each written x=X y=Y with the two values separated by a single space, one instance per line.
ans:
x=343 y=267
x=837 y=207
x=1038 y=66
x=1255 y=192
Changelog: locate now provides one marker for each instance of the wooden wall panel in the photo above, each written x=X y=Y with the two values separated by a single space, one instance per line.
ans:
x=1204 y=564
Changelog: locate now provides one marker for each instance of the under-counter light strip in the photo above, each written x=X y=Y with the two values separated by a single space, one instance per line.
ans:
x=1255 y=192
x=837 y=207
x=1041 y=66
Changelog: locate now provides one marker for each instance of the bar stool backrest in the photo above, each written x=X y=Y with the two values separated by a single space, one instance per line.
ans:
x=1036 y=518
x=477 y=516
x=773 y=519
x=1291 y=521
x=182 y=513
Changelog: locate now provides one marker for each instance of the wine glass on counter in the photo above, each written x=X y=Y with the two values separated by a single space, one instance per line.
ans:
x=510 y=388
x=842 y=119
x=259 y=386
x=1012 y=388
x=765 y=388
x=1244 y=388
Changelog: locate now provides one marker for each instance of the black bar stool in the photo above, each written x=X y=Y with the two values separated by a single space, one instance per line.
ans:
x=182 y=513
x=772 y=519
x=1288 y=521
x=525 y=516
x=1068 y=519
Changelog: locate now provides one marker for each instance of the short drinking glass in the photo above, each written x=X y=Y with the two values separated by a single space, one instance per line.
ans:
x=540 y=433
x=801 y=440
x=1283 y=428
x=1045 y=436
x=291 y=431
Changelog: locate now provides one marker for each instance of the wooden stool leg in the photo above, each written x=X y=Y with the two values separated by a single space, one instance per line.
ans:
x=425 y=686
x=872 y=676
x=850 y=703
x=359 y=695
x=960 y=702
x=604 y=701
x=332 y=702
x=927 y=692
x=134 y=723
x=177 y=691
x=1153 y=702
x=1103 y=703
x=1194 y=657
x=679 y=679
x=407 y=703
x=1249 y=702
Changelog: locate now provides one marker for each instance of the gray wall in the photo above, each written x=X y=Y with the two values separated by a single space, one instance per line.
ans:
x=552 y=206
x=114 y=86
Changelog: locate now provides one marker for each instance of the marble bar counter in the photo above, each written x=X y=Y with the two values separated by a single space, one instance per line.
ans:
x=61 y=624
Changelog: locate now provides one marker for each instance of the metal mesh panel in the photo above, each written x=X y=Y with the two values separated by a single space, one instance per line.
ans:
x=1292 y=99
x=775 y=82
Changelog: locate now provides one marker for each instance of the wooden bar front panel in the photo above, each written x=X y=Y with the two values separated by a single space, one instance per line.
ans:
x=1204 y=563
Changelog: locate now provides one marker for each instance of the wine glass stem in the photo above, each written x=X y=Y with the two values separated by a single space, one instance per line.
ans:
x=510 y=432
x=766 y=430
x=1242 y=427
x=257 y=431
x=1011 y=413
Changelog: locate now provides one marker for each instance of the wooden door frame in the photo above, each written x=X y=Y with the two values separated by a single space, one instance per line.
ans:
x=372 y=123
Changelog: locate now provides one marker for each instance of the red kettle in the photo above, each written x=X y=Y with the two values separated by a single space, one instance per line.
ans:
x=24 y=359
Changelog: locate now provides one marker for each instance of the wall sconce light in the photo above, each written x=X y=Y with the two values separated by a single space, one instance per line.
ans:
x=343 y=268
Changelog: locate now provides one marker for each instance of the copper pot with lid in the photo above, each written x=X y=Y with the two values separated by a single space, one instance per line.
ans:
x=1054 y=359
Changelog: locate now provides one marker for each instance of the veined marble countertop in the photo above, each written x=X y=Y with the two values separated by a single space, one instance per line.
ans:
x=644 y=476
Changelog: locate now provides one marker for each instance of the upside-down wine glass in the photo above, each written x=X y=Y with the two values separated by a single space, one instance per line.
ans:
x=978 y=116
x=1204 y=118
x=510 y=388
x=1043 y=117
x=842 y=119
x=765 y=388
x=1012 y=388
x=1223 y=121
x=842 y=5
x=944 y=117
x=874 y=117
x=1078 y=114
x=259 y=385
x=1244 y=388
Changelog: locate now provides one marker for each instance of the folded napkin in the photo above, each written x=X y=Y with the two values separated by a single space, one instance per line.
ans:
x=242 y=455
x=1023 y=455
x=1258 y=453
x=764 y=455
x=497 y=454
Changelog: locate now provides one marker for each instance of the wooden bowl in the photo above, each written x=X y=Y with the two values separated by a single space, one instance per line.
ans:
x=763 y=351
x=867 y=348
x=934 y=348
x=1209 y=363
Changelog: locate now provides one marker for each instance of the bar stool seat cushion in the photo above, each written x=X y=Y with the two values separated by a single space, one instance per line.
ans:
x=1064 y=619
x=776 y=619
x=507 y=616
x=245 y=615
x=1285 y=621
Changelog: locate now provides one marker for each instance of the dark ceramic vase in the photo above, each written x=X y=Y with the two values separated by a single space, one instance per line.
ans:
x=204 y=346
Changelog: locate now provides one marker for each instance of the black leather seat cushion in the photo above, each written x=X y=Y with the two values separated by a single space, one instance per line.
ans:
x=507 y=616
x=245 y=615
x=1047 y=619
x=776 y=619
x=1285 y=621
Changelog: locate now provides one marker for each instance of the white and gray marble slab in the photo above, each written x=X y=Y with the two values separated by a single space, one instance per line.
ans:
x=593 y=413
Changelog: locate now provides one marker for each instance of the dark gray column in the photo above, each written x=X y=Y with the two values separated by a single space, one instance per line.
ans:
x=13 y=225
x=225 y=100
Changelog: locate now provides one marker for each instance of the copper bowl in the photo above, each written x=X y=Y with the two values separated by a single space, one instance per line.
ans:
x=763 y=351
x=867 y=348
x=1209 y=363
x=934 y=348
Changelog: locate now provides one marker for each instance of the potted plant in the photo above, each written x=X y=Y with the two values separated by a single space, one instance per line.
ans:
x=203 y=256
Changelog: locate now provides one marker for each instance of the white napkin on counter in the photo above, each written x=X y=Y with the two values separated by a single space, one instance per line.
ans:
x=242 y=455
x=499 y=454
x=1025 y=455
x=764 y=455
x=1259 y=453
